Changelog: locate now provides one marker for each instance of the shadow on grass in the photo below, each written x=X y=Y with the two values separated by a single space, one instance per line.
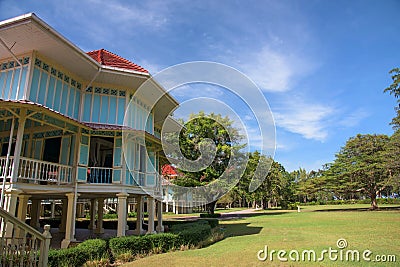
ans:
x=396 y=208
x=240 y=229
x=254 y=214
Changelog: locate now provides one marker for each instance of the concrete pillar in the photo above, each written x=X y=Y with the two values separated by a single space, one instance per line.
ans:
x=139 y=215
x=53 y=208
x=151 y=212
x=21 y=213
x=35 y=213
x=63 y=216
x=10 y=206
x=100 y=212
x=174 y=208
x=160 y=227
x=122 y=209
x=92 y=213
x=70 y=222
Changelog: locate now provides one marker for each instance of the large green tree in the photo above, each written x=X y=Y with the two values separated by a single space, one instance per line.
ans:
x=360 y=165
x=194 y=142
x=394 y=89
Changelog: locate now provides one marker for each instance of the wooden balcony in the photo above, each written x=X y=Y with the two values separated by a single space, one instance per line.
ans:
x=36 y=171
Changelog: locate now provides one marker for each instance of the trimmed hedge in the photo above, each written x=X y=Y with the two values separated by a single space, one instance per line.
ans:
x=143 y=244
x=92 y=249
x=181 y=234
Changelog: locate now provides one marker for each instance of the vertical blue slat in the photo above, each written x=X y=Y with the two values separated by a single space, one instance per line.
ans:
x=23 y=81
x=117 y=156
x=113 y=109
x=65 y=145
x=2 y=78
x=38 y=149
x=96 y=108
x=8 y=84
x=77 y=103
x=71 y=103
x=83 y=155
x=34 y=85
x=15 y=84
x=72 y=150
x=87 y=108
x=64 y=99
x=57 y=96
x=104 y=109
x=42 y=88
x=121 y=110
x=50 y=92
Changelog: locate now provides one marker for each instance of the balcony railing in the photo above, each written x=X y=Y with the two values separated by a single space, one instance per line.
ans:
x=3 y=166
x=37 y=171
x=99 y=175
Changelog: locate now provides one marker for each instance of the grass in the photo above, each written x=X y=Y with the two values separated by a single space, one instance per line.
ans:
x=378 y=231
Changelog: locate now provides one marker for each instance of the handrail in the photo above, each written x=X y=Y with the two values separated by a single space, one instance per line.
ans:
x=12 y=251
x=38 y=171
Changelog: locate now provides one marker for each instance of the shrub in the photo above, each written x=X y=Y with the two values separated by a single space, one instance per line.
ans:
x=143 y=244
x=213 y=222
x=92 y=249
x=97 y=248
x=67 y=257
x=192 y=233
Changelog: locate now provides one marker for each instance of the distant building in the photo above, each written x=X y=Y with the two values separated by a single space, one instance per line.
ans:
x=61 y=122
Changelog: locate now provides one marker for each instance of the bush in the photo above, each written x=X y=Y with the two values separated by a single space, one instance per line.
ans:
x=192 y=233
x=92 y=249
x=97 y=248
x=135 y=245
x=213 y=222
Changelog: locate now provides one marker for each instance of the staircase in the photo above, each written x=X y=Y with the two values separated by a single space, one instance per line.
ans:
x=21 y=244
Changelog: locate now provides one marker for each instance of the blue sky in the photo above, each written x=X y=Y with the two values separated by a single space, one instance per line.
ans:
x=322 y=65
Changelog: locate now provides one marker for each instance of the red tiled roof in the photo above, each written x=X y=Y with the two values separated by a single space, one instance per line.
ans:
x=107 y=58
x=168 y=171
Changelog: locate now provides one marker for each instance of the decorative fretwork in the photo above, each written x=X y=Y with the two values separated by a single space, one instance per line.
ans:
x=60 y=75
x=38 y=62
x=53 y=71
x=45 y=67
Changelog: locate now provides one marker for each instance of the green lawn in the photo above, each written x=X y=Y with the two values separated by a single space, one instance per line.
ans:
x=377 y=231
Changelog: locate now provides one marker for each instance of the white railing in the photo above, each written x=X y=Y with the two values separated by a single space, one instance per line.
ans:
x=25 y=246
x=38 y=171
x=99 y=175
x=3 y=166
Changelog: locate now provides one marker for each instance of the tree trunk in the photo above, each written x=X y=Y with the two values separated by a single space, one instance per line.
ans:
x=211 y=207
x=374 y=205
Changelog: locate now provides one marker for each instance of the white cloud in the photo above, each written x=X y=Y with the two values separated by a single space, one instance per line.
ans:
x=307 y=119
x=151 y=14
x=270 y=69
x=354 y=118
